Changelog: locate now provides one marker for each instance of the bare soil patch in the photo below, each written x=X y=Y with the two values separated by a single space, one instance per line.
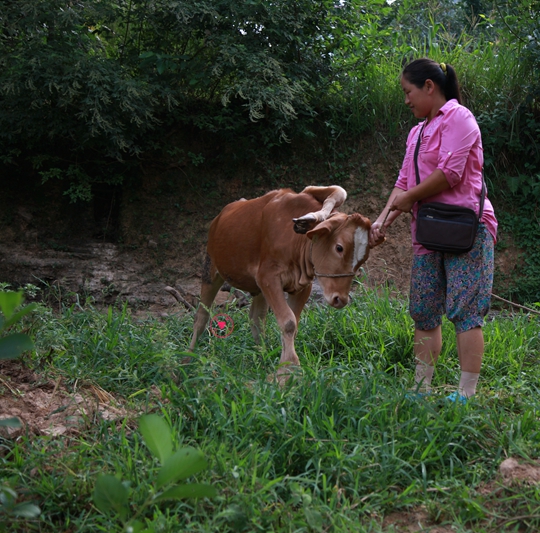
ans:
x=45 y=407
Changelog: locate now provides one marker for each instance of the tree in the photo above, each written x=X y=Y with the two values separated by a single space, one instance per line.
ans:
x=96 y=81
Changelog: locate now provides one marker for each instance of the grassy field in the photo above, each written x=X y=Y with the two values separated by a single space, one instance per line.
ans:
x=339 y=448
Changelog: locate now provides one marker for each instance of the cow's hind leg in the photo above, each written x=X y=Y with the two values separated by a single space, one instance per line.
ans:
x=257 y=316
x=211 y=283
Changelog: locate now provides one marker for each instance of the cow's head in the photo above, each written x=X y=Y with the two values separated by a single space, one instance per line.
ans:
x=339 y=245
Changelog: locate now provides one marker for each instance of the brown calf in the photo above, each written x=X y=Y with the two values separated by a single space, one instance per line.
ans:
x=255 y=246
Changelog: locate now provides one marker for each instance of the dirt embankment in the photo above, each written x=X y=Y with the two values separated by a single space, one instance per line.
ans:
x=128 y=246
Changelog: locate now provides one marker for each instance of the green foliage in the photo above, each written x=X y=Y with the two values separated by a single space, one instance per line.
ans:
x=111 y=496
x=498 y=74
x=13 y=344
x=99 y=340
x=10 y=509
x=9 y=303
x=338 y=448
x=522 y=223
x=88 y=86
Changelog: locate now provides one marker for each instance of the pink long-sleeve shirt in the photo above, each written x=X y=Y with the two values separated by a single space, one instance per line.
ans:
x=451 y=142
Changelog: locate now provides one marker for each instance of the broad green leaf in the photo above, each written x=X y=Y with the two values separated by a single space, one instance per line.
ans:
x=10 y=422
x=110 y=494
x=26 y=510
x=15 y=317
x=157 y=436
x=313 y=518
x=14 y=345
x=9 y=301
x=7 y=496
x=182 y=464
x=193 y=490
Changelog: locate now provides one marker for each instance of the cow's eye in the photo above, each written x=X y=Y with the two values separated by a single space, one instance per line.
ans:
x=339 y=248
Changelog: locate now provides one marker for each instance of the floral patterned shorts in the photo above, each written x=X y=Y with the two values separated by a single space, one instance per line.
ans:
x=458 y=285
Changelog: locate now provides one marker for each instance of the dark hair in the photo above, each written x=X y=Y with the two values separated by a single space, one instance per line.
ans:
x=443 y=75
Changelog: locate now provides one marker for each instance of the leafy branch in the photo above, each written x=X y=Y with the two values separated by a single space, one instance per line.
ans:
x=14 y=344
x=111 y=495
x=11 y=346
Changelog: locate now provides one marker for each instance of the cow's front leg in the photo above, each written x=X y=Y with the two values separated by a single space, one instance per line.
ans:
x=287 y=323
x=297 y=302
x=331 y=198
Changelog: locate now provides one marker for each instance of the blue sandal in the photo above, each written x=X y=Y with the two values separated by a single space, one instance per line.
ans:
x=457 y=398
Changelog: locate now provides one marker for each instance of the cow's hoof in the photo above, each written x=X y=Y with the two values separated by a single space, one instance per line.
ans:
x=285 y=372
x=187 y=360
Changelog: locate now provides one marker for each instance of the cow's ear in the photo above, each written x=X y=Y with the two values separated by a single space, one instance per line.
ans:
x=321 y=229
x=303 y=224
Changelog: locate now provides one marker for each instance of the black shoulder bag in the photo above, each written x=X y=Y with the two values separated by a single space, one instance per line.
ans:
x=446 y=227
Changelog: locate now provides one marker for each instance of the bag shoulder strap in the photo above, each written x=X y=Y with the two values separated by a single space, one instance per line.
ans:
x=417 y=149
x=482 y=197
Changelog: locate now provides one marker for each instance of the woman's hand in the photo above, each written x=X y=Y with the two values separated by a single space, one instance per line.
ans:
x=377 y=234
x=403 y=202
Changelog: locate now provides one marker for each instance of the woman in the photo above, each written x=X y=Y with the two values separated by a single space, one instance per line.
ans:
x=450 y=162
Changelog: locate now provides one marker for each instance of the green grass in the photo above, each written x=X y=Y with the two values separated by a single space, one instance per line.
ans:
x=337 y=449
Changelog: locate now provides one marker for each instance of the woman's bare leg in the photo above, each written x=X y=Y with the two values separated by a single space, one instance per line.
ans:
x=427 y=347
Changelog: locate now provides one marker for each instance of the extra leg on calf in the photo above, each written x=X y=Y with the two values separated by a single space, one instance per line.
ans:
x=331 y=197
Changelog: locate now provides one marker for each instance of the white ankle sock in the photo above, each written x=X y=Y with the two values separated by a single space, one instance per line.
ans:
x=467 y=384
x=423 y=375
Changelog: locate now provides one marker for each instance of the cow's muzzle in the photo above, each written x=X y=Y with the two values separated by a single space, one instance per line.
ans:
x=338 y=300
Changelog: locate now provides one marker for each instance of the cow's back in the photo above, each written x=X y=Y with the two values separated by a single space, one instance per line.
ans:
x=247 y=230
